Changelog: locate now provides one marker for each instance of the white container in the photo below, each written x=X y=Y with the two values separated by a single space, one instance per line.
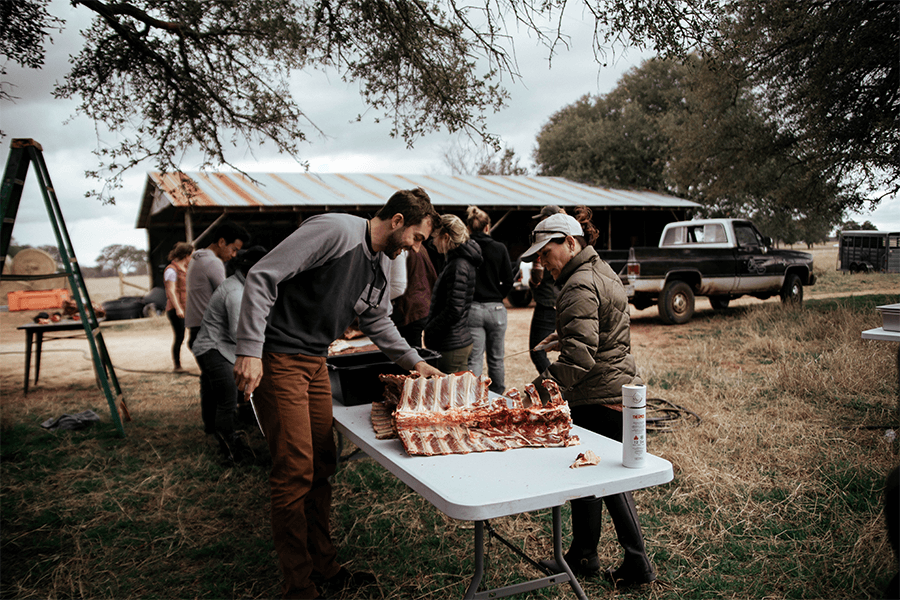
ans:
x=634 y=425
x=890 y=316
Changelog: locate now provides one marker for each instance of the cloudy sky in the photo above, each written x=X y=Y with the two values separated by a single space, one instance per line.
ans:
x=349 y=147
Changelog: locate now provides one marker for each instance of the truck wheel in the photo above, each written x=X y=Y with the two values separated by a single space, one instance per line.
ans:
x=719 y=302
x=792 y=290
x=676 y=303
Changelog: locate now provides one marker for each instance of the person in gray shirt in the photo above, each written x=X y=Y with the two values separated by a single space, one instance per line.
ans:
x=297 y=300
x=205 y=273
x=214 y=351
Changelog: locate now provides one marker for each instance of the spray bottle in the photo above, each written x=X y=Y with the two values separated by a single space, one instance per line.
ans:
x=634 y=425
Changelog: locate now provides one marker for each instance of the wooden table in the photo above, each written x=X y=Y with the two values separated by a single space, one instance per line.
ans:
x=485 y=485
x=36 y=331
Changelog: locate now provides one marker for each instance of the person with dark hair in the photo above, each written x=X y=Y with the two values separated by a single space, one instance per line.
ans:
x=214 y=351
x=544 y=292
x=447 y=328
x=594 y=341
x=487 y=315
x=411 y=307
x=205 y=273
x=333 y=269
x=174 y=278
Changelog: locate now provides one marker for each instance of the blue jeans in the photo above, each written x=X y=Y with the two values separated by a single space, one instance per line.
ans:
x=487 y=323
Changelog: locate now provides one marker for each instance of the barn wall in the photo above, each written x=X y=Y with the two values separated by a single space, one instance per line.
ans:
x=512 y=228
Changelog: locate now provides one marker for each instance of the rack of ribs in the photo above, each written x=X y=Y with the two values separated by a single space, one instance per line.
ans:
x=453 y=414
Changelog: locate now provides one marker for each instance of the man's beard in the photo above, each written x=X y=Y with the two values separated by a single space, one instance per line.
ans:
x=394 y=243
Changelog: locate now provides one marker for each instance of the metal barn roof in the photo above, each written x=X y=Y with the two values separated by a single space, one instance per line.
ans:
x=329 y=191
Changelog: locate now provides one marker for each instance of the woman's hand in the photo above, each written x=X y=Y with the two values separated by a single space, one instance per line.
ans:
x=549 y=343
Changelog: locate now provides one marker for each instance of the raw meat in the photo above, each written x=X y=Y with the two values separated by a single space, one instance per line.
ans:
x=587 y=458
x=454 y=415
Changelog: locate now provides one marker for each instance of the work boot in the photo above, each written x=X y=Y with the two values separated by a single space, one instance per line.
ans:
x=345 y=580
x=233 y=447
x=635 y=568
x=587 y=521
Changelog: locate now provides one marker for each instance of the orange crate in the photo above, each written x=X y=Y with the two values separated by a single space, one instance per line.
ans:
x=36 y=299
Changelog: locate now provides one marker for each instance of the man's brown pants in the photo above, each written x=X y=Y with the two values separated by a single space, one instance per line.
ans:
x=293 y=402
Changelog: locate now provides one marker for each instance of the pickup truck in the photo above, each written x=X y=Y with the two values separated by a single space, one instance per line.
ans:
x=718 y=258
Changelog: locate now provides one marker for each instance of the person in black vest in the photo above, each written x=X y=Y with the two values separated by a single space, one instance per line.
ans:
x=447 y=328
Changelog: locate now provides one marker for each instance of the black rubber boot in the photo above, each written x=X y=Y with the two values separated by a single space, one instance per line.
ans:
x=587 y=521
x=635 y=568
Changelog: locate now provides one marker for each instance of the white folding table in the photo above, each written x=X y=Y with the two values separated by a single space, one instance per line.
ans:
x=880 y=333
x=486 y=485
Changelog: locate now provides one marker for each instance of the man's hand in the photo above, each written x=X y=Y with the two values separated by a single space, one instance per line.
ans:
x=247 y=374
x=426 y=370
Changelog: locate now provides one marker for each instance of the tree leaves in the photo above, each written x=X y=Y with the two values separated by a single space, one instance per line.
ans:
x=166 y=78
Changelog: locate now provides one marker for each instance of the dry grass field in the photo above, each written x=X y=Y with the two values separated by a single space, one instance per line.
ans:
x=777 y=491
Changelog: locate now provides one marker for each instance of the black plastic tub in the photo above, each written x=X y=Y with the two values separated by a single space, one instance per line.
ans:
x=354 y=377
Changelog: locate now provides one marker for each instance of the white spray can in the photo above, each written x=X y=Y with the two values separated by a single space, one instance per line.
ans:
x=634 y=425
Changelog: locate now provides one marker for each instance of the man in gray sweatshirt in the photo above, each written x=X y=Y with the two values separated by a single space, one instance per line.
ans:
x=297 y=300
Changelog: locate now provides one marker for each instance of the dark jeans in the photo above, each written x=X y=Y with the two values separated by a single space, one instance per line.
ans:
x=192 y=335
x=219 y=402
x=412 y=332
x=178 y=331
x=586 y=512
x=543 y=323
x=599 y=419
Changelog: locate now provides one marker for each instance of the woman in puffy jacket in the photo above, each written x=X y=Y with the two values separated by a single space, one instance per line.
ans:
x=447 y=328
x=593 y=331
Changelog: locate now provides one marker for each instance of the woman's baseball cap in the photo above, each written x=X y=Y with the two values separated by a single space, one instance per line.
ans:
x=554 y=226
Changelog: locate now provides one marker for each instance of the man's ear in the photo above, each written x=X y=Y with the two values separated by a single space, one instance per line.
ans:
x=396 y=221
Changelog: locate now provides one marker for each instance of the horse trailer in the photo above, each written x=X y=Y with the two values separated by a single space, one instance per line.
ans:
x=869 y=251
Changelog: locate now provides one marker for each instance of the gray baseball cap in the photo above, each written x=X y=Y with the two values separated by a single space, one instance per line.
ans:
x=554 y=226
x=547 y=211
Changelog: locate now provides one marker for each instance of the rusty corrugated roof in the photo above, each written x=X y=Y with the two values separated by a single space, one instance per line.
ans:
x=337 y=190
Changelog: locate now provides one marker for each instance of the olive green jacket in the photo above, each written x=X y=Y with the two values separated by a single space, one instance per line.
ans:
x=594 y=330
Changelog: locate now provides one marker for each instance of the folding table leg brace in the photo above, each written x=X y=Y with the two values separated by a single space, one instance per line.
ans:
x=534 y=584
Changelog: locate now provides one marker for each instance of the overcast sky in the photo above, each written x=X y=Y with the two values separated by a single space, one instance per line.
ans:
x=332 y=105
